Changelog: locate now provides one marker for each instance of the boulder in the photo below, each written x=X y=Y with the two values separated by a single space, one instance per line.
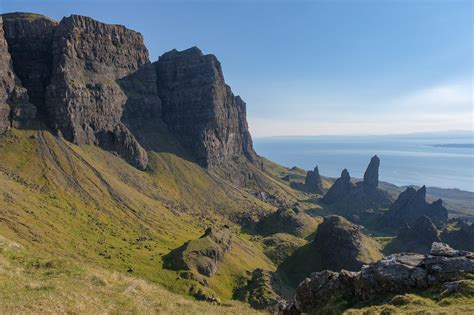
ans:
x=395 y=274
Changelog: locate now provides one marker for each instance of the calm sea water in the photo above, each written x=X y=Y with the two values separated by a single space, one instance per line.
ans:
x=405 y=160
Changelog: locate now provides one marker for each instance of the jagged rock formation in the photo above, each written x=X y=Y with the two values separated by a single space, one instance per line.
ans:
x=30 y=40
x=286 y=220
x=260 y=290
x=15 y=108
x=312 y=182
x=201 y=109
x=410 y=205
x=417 y=238
x=340 y=189
x=338 y=244
x=398 y=274
x=203 y=254
x=352 y=200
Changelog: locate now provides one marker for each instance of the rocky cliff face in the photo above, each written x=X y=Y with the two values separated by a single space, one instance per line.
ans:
x=201 y=109
x=84 y=101
x=30 y=38
x=93 y=84
x=410 y=205
x=15 y=108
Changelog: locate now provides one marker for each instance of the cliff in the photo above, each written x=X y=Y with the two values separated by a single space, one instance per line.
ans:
x=200 y=108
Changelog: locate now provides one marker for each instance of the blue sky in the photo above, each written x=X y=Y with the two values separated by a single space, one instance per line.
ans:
x=316 y=67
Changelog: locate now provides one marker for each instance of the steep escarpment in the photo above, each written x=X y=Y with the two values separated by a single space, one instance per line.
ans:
x=30 y=40
x=200 y=108
x=84 y=101
x=15 y=108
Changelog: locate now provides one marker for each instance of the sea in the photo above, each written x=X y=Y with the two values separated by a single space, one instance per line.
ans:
x=444 y=160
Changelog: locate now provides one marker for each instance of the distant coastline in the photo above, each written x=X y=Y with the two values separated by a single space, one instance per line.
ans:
x=455 y=145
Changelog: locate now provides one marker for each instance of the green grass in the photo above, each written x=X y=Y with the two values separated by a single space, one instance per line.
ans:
x=85 y=204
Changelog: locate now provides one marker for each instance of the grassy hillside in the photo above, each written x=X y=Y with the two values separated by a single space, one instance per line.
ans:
x=85 y=204
x=32 y=283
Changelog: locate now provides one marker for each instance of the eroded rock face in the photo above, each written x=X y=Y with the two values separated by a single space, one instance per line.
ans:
x=30 y=39
x=312 y=182
x=201 y=109
x=410 y=205
x=340 y=189
x=15 y=108
x=398 y=274
x=83 y=99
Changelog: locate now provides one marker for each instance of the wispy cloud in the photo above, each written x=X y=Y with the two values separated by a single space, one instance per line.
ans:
x=436 y=108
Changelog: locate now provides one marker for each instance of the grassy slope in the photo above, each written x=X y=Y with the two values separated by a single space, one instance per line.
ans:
x=88 y=205
x=30 y=283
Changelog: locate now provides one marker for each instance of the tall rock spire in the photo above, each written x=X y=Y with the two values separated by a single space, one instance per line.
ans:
x=371 y=175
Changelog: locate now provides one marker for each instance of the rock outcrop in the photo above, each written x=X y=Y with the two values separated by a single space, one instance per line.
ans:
x=419 y=237
x=287 y=220
x=312 y=182
x=340 y=189
x=397 y=274
x=410 y=205
x=338 y=244
x=201 y=109
x=15 y=108
x=353 y=199
x=371 y=175
x=202 y=254
x=83 y=99
x=460 y=235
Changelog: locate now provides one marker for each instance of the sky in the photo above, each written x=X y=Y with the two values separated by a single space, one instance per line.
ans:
x=340 y=67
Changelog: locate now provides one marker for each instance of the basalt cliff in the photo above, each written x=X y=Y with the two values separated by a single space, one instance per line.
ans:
x=93 y=83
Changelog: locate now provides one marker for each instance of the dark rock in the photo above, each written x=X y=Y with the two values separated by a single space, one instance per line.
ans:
x=410 y=205
x=15 y=108
x=339 y=190
x=355 y=199
x=340 y=244
x=418 y=238
x=396 y=274
x=201 y=109
x=371 y=175
x=83 y=99
x=443 y=249
x=312 y=182
x=30 y=39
